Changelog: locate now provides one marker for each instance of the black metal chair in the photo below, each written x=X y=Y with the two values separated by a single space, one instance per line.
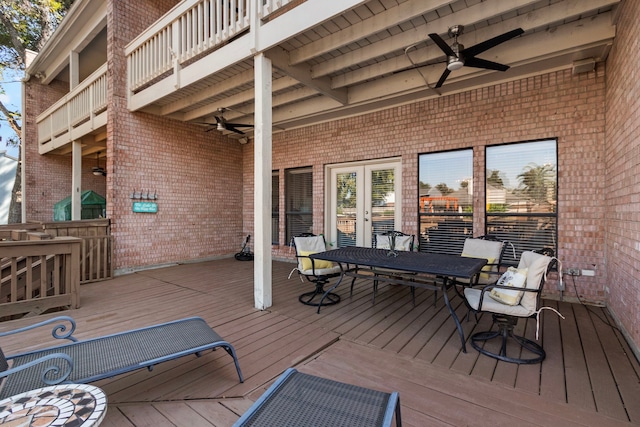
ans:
x=392 y=240
x=298 y=399
x=317 y=272
x=516 y=295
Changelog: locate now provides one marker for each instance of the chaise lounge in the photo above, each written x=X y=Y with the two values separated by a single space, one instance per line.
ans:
x=81 y=362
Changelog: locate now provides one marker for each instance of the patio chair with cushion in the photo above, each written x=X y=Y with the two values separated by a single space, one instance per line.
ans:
x=516 y=295
x=483 y=247
x=81 y=362
x=317 y=272
x=393 y=241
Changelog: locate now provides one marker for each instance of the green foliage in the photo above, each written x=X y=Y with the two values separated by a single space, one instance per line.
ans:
x=495 y=179
x=444 y=189
x=346 y=187
x=537 y=182
x=26 y=25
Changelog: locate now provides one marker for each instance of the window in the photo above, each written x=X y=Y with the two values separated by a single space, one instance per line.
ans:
x=299 y=201
x=521 y=195
x=445 y=200
x=275 y=208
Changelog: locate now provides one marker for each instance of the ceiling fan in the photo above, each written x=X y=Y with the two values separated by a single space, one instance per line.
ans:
x=98 y=170
x=223 y=125
x=458 y=56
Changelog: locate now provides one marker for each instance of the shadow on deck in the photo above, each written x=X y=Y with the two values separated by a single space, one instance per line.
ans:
x=590 y=376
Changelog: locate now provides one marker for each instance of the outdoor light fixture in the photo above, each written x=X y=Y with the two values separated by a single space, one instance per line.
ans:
x=97 y=170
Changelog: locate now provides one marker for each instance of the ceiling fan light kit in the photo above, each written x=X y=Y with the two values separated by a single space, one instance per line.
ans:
x=222 y=125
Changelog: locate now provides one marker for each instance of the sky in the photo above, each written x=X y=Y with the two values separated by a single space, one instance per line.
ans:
x=12 y=98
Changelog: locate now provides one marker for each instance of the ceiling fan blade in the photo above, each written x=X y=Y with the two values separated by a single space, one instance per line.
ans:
x=488 y=44
x=233 y=129
x=238 y=125
x=483 y=63
x=443 y=77
x=442 y=44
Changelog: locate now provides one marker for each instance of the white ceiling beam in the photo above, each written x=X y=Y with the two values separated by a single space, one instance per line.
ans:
x=280 y=60
x=382 y=21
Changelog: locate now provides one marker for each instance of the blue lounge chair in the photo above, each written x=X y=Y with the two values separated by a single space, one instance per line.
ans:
x=81 y=362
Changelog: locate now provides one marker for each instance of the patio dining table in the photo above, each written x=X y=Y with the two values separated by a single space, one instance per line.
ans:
x=404 y=268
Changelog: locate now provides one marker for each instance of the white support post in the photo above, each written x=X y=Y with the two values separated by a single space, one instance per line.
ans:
x=74 y=70
x=76 y=180
x=262 y=182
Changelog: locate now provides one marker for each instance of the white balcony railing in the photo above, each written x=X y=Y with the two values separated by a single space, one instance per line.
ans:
x=77 y=109
x=188 y=30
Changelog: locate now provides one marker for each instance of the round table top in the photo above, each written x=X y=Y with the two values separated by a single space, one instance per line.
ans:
x=60 y=405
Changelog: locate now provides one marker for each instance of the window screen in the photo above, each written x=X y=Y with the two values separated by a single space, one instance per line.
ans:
x=445 y=200
x=299 y=201
x=521 y=195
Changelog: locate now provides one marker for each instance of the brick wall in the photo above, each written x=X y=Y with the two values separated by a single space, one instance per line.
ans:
x=197 y=174
x=555 y=105
x=622 y=158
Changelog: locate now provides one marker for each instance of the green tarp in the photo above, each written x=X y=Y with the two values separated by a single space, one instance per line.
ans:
x=93 y=206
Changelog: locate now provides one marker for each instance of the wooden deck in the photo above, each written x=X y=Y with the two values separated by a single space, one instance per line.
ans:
x=590 y=376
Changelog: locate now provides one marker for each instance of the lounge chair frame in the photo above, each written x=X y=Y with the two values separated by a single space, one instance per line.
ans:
x=81 y=362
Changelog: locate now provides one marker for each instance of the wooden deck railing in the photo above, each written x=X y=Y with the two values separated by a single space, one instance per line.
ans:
x=188 y=30
x=79 y=112
x=96 y=243
x=38 y=275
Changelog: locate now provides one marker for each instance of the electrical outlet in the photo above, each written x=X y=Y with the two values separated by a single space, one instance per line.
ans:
x=573 y=271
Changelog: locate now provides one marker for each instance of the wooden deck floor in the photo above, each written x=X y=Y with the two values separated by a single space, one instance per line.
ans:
x=590 y=376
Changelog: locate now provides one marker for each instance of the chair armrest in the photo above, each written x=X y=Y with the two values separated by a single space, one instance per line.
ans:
x=59 y=331
x=488 y=288
x=52 y=373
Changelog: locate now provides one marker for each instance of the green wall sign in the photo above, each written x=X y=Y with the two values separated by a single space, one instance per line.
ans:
x=145 y=207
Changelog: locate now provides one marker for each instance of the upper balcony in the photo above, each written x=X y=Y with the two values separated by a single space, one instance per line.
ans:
x=341 y=58
x=79 y=113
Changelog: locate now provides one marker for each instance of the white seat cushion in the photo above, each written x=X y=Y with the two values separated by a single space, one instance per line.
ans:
x=487 y=249
x=312 y=245
x=403 y=243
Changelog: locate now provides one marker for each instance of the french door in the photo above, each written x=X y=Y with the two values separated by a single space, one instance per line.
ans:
x=364 y=199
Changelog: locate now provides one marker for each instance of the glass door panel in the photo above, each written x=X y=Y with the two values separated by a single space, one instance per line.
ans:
x=362 y=201
x=346 y=213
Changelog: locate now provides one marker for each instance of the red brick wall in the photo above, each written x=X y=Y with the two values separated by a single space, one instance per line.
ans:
x=622 y=160
x=197 y=174
x=555 y=105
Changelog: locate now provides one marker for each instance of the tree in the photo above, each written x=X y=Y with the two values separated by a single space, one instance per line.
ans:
x=444 y=189
x=536 y=181
x=24 y=25
x=495 y=179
